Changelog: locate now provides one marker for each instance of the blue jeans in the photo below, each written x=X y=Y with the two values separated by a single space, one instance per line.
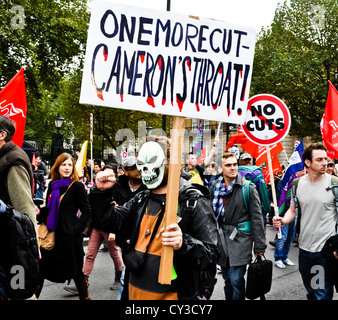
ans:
x=122 y=283
x=283 y=245
x=234 y=282
x=311 y=268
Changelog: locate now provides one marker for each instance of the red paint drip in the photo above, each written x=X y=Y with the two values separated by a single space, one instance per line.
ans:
x=142 y=58
x=180 y=104
x=189 y=64
x=99 y=94
x=105 y=55
x=220 y=70
x=197 y=107
x=163 y=102
x=121 y=96
x=160 y=63
x=244 y=93
x=214 y=106
x=172 y=103
x=150 y=101
x=228 y=112
x=241 y=73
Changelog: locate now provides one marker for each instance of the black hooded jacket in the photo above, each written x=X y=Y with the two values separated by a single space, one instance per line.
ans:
x=199 y=249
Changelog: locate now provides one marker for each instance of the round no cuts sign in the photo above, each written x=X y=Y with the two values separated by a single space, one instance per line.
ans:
x=267 y=120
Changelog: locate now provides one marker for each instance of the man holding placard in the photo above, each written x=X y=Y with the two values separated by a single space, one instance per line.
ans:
x=193 y=236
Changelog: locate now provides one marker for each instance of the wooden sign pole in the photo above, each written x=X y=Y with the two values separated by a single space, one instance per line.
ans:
x=273 y=189
x=172 y=196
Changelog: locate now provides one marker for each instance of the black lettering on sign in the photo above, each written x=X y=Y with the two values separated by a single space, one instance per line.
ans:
x=265 y=115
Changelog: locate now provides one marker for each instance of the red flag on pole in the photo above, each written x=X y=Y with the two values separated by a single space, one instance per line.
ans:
x=329 y=123
x=259 y=152
x=13 y=105
x=276 y=167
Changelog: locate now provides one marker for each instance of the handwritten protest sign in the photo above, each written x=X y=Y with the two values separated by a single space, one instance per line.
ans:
x=165 y=63
x=152 y=61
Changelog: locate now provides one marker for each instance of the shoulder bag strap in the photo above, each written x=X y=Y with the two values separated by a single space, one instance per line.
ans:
x=61 y=197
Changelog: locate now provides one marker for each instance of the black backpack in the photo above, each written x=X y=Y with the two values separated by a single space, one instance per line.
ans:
x=19 y=256
x=205 y=280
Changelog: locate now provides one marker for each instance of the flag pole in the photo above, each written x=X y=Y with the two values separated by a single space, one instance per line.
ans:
x=91 y=149
x=218 y=129
x=273 y=190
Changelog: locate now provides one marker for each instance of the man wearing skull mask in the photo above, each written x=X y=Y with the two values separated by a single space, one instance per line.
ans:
x=193 y=237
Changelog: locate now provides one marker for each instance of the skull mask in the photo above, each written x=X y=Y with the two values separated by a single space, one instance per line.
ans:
x=151 y=162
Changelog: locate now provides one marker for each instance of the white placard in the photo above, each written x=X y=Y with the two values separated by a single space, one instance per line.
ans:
x=166 y=63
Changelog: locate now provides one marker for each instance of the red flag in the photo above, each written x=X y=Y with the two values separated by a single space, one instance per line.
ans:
x=239 y=137
x=13 y=105
x=329 y=123
x=203 y=155
x=276 y=167
x=34 y=162
x=259 y=152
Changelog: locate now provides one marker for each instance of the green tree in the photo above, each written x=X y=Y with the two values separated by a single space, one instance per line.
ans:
x=47 y=38
x=296 y=57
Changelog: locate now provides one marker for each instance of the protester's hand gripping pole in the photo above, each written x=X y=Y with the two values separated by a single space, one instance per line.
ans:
x=273 y=189
x=172 y=196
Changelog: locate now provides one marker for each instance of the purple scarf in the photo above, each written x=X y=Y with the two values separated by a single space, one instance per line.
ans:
x=53 y=203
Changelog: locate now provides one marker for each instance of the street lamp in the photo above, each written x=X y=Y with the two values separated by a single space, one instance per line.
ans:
x=57 y=139
x=335 y=77
x=58 y=122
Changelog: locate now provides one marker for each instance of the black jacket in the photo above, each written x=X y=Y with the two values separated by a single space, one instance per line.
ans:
x=121 y=190
x=65 y=260
x=99 y=200
x=199 y=250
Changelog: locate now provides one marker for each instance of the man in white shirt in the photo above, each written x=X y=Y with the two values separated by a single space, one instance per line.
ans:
x=317 y=223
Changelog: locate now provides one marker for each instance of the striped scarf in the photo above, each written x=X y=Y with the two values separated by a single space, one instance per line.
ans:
x=220 y=191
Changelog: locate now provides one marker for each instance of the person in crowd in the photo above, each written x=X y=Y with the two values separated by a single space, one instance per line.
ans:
x=65 y=196
x=210 y=173
x=96 y=168
x=318 y=217
x=140 y=223
x=245 y=159
x=127 y=186
x=16 y=176
x=330 y=167
x=41 y=165
x=85 y=176
x=240 y=227
x=101 y=195
x=120 y=171
x=197 y=170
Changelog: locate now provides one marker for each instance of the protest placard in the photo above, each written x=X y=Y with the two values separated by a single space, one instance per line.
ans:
x=170 y=64
x=153 y=61
x=267 y=122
